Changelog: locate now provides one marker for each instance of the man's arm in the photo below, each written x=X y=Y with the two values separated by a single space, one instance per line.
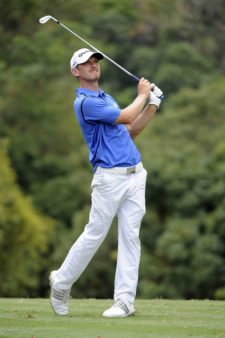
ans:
x=141 y=121
x=130 y=113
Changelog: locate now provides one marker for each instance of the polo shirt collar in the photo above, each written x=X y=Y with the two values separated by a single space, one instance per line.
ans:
x=89 y=92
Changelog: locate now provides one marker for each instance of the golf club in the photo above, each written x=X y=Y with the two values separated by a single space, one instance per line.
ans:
x=46 y=18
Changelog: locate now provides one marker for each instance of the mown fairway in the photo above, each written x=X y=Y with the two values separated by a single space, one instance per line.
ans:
x=33 y=318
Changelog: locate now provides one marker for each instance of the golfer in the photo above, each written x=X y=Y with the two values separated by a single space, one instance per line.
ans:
x=118 y=185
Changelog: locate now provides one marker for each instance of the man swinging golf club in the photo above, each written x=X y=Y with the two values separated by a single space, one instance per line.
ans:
x=118 y=185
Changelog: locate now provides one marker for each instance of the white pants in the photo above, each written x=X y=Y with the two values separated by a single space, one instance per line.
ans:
x=112 y=194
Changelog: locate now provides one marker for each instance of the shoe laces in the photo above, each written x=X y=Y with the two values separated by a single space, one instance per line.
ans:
x=62 y=295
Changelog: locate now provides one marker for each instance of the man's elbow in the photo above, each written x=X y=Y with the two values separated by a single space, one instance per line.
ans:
x=133 y=133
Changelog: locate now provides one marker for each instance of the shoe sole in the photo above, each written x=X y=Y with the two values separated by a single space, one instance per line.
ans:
x=126 y=315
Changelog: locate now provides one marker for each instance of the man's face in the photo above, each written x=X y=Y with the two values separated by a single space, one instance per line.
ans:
x=88 y=71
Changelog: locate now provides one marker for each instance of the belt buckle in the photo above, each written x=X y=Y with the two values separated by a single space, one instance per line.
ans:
x=131 y=170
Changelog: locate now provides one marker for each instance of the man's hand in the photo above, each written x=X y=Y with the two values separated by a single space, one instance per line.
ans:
x=156 y=90
x=144 y=86
x=155 y=95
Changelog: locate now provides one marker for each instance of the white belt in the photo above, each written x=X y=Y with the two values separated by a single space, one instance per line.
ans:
x=122 y=170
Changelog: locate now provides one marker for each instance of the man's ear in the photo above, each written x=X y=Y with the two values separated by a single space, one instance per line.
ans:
x=75 y=72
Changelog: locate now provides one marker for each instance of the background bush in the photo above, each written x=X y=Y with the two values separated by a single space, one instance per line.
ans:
x=45 y=175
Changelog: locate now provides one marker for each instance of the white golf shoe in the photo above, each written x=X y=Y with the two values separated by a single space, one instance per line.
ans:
x=59 y=298
x=121 y=308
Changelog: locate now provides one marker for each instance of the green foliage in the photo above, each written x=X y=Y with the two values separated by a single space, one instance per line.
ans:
x=186 y=189
x=23 y=235
x=67 y=194
x=183 y=66
x=177 y=44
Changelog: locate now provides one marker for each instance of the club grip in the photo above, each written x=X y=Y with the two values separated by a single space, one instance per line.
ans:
x=137 y=79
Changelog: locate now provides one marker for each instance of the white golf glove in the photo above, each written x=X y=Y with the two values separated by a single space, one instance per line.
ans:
x=155 y=95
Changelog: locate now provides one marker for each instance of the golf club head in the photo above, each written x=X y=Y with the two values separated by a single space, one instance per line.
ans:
x=46 y=18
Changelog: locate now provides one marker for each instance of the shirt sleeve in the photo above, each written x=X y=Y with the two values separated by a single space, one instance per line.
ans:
x=98 y=110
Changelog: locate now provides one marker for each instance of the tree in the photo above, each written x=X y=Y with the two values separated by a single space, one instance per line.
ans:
x=177 y=44
x=24 y=235
x=184 y=238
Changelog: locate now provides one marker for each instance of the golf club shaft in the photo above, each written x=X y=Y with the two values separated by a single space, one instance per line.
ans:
x=46 y=18
x=97 y=50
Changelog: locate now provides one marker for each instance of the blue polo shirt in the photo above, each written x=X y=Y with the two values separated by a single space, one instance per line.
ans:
x=109 y=144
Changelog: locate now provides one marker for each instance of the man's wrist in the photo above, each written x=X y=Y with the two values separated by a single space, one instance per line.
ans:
x=143 y=96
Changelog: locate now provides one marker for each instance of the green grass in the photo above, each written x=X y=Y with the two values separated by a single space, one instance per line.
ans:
x=33 y=318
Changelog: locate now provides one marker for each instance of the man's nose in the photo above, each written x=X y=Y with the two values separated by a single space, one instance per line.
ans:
x=94 y=63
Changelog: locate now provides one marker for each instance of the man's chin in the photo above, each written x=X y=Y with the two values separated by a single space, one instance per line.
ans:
x=95 y=75
x=95 y=78
x=92 y=78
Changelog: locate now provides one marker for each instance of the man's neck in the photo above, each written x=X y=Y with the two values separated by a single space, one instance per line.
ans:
x=89 y=85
